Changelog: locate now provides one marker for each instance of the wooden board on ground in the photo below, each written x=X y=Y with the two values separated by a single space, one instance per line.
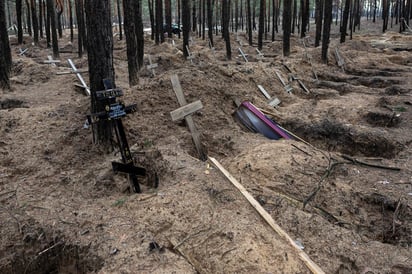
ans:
x=186 y=110
x=79 y=76
x=177 y=88
x=273 y=101
x=266 y=216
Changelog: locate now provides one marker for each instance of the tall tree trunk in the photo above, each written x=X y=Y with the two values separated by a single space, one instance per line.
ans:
x=345 y=22
x=80 y=26
x=210 y=21
x=194 y=19
x=119 y=19
x=35 y=23
x=152 y=19
x=168 y=17
x=294 y=16
x=28 y=16
x=100 y=57
x=133 y=27
x=40 y=19
x=273 y=19
x=261 y=24
x=186 y=25
x=236 y=15
x=71 y=21
x=159 y=37
x=59 y=12
x=254 y=15
x=319 y=20
x=47 y=18
x=179 y=15
x=326 y=30
x=5 y=53
x=375 y=6
x=204 y=19
x=305 y=17
x=19 y=9
x=287 y=20
x=225 y=20
x=52 y=14
x=249 y=22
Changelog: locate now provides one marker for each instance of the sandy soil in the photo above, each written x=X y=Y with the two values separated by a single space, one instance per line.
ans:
x=63 y=210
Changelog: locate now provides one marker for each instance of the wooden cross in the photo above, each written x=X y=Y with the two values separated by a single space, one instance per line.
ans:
x=51 y=61
x=185 y=112
x=23 y=51
x=273 y=102
x=190 y=55
x=243 y=55
x=339 y=60
x=79 y=76
x=287 y=87
x=152 y=66
x=293 y=77
x=260 y=55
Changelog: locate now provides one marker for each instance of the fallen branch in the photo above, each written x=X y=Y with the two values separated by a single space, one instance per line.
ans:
x=196 y=265
x=314 y=268
x=356 y=161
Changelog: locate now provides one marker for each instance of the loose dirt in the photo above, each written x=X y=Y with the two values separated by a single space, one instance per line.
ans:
x=63 y=210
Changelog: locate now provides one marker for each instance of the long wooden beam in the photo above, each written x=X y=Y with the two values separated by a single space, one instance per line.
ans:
x=266 y=216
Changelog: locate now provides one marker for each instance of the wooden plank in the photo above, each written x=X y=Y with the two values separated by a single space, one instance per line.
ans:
x=188 y=109
x=177 y=88
x=243 y=54
x=264 y=92
x=79 y=76
x=266 y=216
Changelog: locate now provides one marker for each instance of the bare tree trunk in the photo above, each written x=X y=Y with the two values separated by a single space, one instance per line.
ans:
x=35 y=23
x=305 y=17
x=287 y=18
x=52 y=13
x=225 y=20
x=319 y=20
x=47 y=18
x=40 y=19
x=119 y=19
x=194 y=19
x=29 y=30
x=100 y=59
x=19 y=8
x=249 y=22
x=159 y=37
x=204 y=19
x=294 y=16
x=179 y=12
x=152 y=19
x=210 y=21
x=345 y=21
x=186 y=25
x=168 y=17
x=326 y=30
x=273 y=19
x=59 y=12
x=5 y=53
x=71 y=21
x=261 y=24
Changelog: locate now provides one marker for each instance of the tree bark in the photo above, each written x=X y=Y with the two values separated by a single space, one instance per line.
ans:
x=152 y=19
x=210 y=21
x=261 y=23
x=225 y=20
x=186 y=25
x=319 y=20
x=287 y=12
x=345 y=22
x=19 y=8
x=41 y=18
x=133 y=28
x=326 y=30
x=100 y=59
x=71 y=21
x=194 y=19
x=119 y=19
x=159 y=37
x=52 y=13
x=29 y=30
x=59 y=11
x=249 y=22
x=5 y=53
x=168 y=17
x=35 y=23
x=305 y=17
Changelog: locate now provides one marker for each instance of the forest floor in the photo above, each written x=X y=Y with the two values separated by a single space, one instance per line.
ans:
x=63 y=210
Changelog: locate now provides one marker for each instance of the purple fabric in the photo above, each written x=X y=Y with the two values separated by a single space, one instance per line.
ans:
x=264 y=119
